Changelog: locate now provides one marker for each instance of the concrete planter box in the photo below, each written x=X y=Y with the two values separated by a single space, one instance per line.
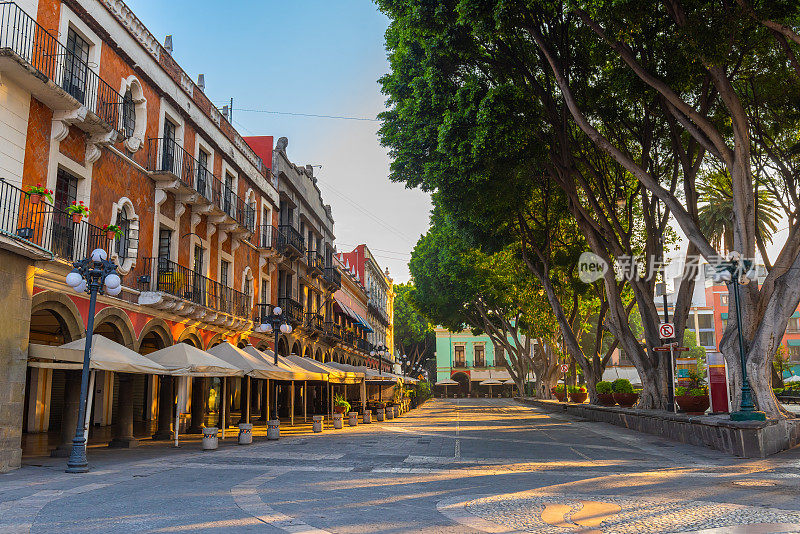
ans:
x=337 y=421
x=367 y=416
x=380 y=415
x=389 y=412
x=317 y=424
x=352 y=418
x=746 y=439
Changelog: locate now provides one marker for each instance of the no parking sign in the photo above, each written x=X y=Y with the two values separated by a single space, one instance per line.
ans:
x=666 y=330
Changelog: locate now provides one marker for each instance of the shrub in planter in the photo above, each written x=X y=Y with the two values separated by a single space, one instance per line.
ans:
x=340 y=405
x=692 y=401
x=559 y=392
x=623 y=392
x=577 y=394
x=605 y=393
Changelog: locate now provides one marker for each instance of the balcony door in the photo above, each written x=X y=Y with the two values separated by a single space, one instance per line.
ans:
x=227 y=198
x=66 y=193
x=202 y=172
x=76 y=66
x=168 y=147
x=198 y=279
x=167 y=278
x=459 y=356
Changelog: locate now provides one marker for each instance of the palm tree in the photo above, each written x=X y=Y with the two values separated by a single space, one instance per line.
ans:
x=715 y=193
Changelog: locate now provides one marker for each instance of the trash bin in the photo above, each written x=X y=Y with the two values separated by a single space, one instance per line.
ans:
x=245 y=433
x=337 y=421
x=273 y=429
x=367 y=416
x=352 y=418
x=380 y=414
x=317 y=426
x=390 y=412
x=210 y=439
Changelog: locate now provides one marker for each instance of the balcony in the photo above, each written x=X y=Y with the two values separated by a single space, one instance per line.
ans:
x=169 y=286
x=314 y=322
x=316 y=263
x=266 y=237
x=42 y=231
x=363 y=345
x=290 y=241
x=34 y=58
x=292 y=310
x=333 y=331
x=460 y=365
x=261 y=313
x=379 y=312
x=333 y=277
x=194 y=184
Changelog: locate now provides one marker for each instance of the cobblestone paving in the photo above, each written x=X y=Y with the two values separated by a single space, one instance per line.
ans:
x=451 y=466
x=625 y=515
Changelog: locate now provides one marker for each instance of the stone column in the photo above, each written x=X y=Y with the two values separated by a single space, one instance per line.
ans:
x=198 y=405
x=264 y=400
x=225 y=422
x=165 y=398
x=69 y=414
x=123 y=429
x=244 y=405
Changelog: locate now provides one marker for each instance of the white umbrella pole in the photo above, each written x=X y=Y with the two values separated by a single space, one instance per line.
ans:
x=267 y=400
x=178 y=409
x=305 y=391
x=247 y=404
x=292 y=404
x=222 y=408
x=87 y=420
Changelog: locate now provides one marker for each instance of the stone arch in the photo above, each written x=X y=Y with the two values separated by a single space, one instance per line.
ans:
x=297 y=348
x=158 y=328
x=129 y=261
x=283 y=346
x=60 y=305
x=121 y=322
x=319 y=356
x=463 y=382
x=189 y=335
x=247 y=275
x=215 y=340
x=309 y=352
x=243 y=342
x=135 y=141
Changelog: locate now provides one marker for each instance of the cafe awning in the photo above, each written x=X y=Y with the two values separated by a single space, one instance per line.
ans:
x=183 y=359
x=292 y=372
x=254 y=366
x=335 y=375
x=370 y=375
x=354 y=315
x=106 y=355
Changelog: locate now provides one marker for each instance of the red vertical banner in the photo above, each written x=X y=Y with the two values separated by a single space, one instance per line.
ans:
x=717 y=382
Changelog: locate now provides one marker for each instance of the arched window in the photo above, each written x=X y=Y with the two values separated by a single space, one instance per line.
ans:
x=123 y=241
x=128 y=113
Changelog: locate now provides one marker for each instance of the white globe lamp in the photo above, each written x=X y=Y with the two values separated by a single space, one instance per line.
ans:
x=99 y=254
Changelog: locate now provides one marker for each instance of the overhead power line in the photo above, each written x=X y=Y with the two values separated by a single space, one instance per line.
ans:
x=312 y=115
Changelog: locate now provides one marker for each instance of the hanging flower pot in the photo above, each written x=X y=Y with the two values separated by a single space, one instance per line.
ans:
x=76 y=217
x=78 y=211
x=110 y=234
x=35 y=199
x=112 y=231
x=37 y=192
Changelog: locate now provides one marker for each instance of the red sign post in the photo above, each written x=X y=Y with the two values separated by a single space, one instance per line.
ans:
x=717 y=383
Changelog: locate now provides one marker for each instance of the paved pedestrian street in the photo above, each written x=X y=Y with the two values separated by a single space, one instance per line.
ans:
x=455 y=465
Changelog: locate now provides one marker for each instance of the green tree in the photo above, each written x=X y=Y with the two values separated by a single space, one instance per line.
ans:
x=413 y=334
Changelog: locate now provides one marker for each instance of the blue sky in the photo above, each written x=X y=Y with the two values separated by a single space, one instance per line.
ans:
x=315 y=57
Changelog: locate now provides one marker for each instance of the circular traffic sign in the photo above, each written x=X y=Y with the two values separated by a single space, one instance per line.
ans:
x=564 y=367
x=666 y=330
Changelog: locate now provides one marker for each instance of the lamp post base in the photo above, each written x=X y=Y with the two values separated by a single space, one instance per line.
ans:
x=748 y=416
x=77 y=462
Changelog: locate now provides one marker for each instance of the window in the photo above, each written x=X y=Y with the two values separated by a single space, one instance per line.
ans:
x=123 y=241
x=198 y=259
x=793 y=353
x=76 y=66
x=794 y=325
x=198 y=285
x=164 y=243
x=128 y=113
x=202 y=172
x=724 y=324
x=706 y=338
x=168 y=147
x=63 y=228
x=223 y=272
x=705 y=321
x=723 y=299
x=228 y=195
x=459 y=356
x=248 y=288
x=499 y=355
x=479 y=358
x=264 y=291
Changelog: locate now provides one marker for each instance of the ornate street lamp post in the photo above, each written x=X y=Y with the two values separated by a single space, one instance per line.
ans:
x=380 y=352
x=275 y=322
x=738 y=271
x=89 y=275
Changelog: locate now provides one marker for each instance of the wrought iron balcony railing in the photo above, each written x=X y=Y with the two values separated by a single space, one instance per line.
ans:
x=333 y=330
x=315 y=321
x=266 y=236
x=315 y=262
x=166 y=155
x=333 y=277
x=262 y=312
x=292 y=310
x=22 y=35
x=161 y=274
x=47 y=228
x=289 y=238
x=363 y=345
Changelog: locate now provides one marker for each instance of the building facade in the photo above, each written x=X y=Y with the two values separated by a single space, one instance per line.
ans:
x=469 y=360
x=214 y=230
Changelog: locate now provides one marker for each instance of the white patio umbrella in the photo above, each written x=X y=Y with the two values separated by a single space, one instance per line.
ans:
x=793 y=378
x=446 y=382
x=490 y=382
